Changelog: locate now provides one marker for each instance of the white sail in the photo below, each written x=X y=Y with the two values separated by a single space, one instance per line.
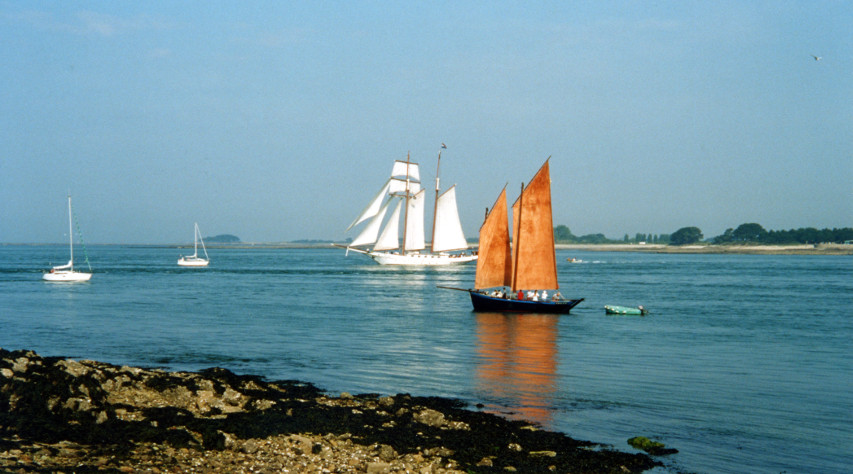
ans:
x=399 y=187
x=373 y=208
x=370 y=233
x=415 y=222
x=390 y=237
x=406 y=168
x=448 y=228
x=198 y=236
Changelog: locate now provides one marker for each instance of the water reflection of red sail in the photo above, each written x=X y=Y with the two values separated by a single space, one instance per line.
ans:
x=518 y=362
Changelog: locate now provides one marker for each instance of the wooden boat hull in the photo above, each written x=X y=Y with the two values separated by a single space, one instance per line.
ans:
x=625 y=310
x=483 y=302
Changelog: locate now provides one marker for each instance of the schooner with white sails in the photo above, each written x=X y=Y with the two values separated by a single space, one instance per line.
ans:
x=403 y=194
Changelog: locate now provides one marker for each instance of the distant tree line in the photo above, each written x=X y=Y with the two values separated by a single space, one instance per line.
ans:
x=745 y=233
x=755 y=233
x=223 y=239
x=562 y=235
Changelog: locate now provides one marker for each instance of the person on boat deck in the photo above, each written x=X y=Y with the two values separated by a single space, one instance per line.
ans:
x=520 y=294
x=544 y=295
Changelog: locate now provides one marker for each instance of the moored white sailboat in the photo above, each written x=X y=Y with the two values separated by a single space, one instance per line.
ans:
x=194 y=260
x=404 y=191
x=66 y=273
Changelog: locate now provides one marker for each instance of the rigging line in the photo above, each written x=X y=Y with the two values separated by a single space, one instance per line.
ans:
x=80 y=236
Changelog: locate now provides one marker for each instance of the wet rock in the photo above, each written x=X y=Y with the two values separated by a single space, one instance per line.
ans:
x=652 y=447
x=378 y=468
x=63 y=415
x=430 y=417
x=387 y=453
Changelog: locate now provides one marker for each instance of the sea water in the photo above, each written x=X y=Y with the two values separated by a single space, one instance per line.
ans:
x=744 y=364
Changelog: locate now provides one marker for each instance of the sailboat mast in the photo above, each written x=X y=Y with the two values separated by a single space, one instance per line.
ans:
x=195 y=240
x=435 y=209
x=515 y=245
x=406 y=212
x=70 y=233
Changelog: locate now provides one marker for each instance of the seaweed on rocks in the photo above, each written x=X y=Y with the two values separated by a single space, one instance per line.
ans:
x=65 y=415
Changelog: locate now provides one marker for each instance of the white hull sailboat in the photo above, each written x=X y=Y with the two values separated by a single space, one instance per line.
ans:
x=66 y=273
x=404 y=191
x=194 y=260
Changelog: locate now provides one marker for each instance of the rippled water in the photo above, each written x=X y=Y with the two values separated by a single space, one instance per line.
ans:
x=744 y=364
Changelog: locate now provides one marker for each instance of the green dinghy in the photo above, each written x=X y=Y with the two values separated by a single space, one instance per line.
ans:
x=626 y=310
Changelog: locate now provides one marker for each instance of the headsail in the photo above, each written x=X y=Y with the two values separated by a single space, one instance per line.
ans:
x=373 y=208
x=534 y=260
x=494 y=265
x=370 y=232
x=390 y=238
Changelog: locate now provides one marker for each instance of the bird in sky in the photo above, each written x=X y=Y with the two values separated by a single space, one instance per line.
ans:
x=816 y=58
x=444 y=146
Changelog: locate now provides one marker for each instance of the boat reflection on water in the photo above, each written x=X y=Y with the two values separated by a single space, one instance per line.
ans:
x=517 y=364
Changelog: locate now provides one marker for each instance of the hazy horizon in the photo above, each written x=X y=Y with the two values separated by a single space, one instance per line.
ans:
x=278 y=122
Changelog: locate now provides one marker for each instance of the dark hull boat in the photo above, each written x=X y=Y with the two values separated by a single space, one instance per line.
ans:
x=483 y=302
x=529 y=264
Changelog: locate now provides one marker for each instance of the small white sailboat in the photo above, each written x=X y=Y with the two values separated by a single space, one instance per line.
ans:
x=66 y=273
x=194 y=260
x=404 y=191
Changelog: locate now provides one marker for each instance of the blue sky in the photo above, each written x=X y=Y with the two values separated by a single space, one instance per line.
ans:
x=278 y=121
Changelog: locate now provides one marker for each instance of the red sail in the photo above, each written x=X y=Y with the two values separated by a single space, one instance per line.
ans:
x=494 y=261
x=535 y=263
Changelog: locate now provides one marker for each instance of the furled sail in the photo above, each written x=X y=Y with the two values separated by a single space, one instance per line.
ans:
x=390 y=238
x=448 y=228
x=534 y=260
x=415 y=222
x=494 y=265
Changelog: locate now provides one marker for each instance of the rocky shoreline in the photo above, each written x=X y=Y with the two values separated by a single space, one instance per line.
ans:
x=64 y=415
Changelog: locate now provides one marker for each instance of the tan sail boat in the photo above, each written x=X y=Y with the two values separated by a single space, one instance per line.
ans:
x=529 y=266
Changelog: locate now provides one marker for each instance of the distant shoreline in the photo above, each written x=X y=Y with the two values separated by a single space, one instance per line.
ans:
x=800 y=249
x=819 y=249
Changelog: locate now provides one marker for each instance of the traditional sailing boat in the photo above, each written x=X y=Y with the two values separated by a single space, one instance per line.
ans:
x=66 y=273
x=194 y=260
x=529 y=269
x=404 y=191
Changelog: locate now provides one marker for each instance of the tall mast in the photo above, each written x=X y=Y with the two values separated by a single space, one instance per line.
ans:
x=406 y=213
x=435 y=209
x=70 y=233
x=517 y=240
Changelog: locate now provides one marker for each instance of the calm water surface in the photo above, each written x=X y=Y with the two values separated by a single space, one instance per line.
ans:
x=744 y=365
